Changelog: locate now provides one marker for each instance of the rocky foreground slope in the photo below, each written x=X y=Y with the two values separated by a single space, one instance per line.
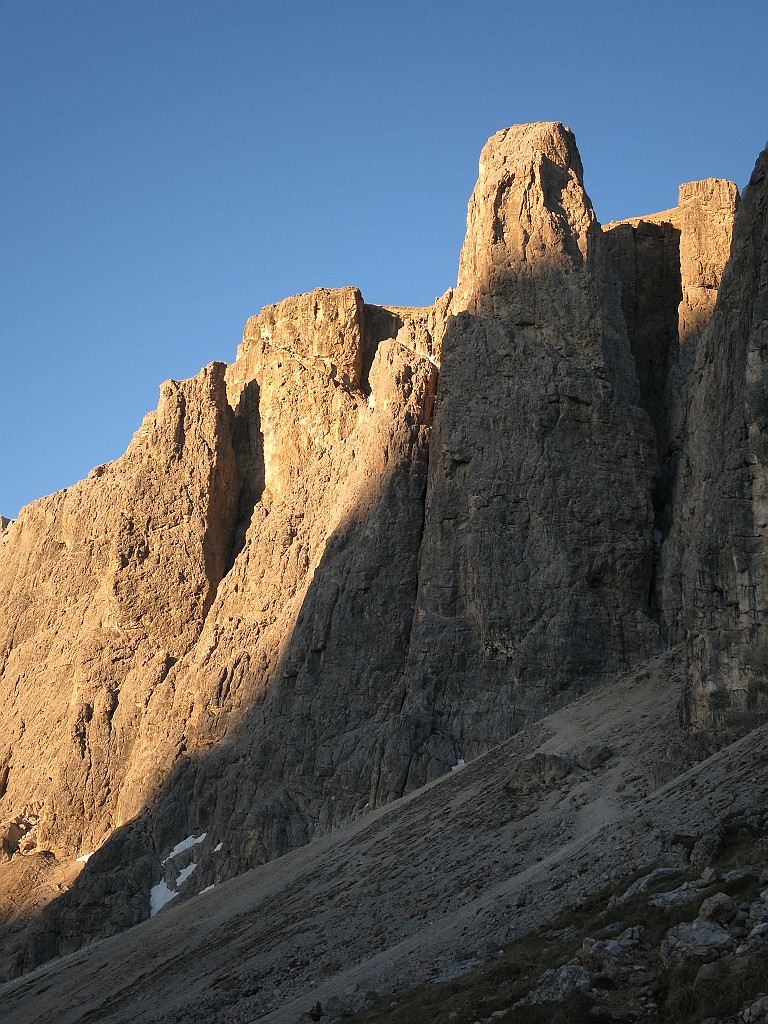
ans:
x=384 y=540
x=496 y=890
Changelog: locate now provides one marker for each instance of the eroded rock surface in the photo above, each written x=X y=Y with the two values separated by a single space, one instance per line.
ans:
x=714 y=561
x=536 y=561
x=106 y=585
x=325 y=574
x=534 y=259
x=670 y=265
x=263 y=731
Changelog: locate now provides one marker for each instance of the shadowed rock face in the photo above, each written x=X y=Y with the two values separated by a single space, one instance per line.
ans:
x=536 y=558
x=670 y=266
x=647 y=257
x=322 y=575
x=535 y=565
x=714 y=561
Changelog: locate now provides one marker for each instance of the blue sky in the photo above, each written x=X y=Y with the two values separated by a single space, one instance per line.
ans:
x=168 y=167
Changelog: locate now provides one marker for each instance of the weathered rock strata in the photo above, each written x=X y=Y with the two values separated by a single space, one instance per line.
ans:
x=714 y=561
x=307 y=588
x=534 y=258
x=528 y=585
x=670 y=265
x=647 y=257
x=106 y=585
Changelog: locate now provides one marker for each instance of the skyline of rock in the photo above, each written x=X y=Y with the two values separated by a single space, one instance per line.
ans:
x=384 y=539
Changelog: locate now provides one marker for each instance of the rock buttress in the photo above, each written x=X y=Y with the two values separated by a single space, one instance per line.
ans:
x=106 y=585
x=714 y=562
x=535 y=566
x=262 y=735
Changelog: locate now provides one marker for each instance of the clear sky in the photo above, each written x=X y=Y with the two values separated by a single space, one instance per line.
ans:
x=168 y=167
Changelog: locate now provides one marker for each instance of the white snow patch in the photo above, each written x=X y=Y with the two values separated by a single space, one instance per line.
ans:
x=159 y=895
x=459 y=765
x=208 y=888
x=217 y=848
x=185 y=844
x=185 y=873
x=84 y=859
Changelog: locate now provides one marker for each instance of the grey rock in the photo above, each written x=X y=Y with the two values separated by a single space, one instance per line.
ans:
x=611 y=931
x=699 y=939
x=741 y=874
x=706 y=849
x=558 y=984
x=539 y=771
x=605 y=952
x=719 y=907
x=708 y=876
x=757 y=1012
x=713 y=563
x=594 y=755
x=675 y=897
x=452 y=971
x=647 y=258
x=643 y=883
x=758 y=910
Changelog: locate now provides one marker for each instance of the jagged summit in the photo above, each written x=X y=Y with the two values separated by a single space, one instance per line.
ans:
x=384 y=540
x=534 y=258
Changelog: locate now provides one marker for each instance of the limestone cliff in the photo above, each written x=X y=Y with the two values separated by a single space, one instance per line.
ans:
x=106 y=586
x=670 y=265
x=536 y=558
x=714 y=560
x=534 y=259
x=327 y=573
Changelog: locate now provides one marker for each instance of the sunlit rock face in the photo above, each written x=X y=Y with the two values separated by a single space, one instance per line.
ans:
x=534 y=258
x=379 y=542
x=105 y=586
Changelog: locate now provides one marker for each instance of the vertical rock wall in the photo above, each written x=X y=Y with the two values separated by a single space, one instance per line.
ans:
x=106 y=585
x=714 y=560
x=320 y=576
x=670 y=265
x=535 y=566
x=647 y=257
x=534 y=258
